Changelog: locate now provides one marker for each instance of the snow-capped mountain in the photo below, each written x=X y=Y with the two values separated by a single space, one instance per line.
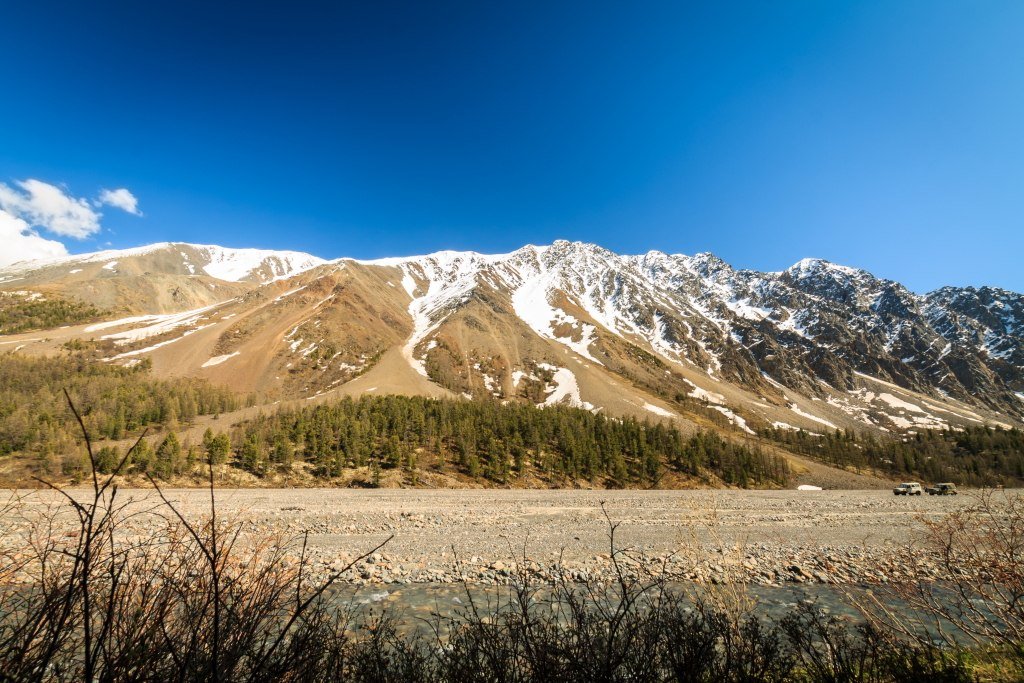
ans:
x=817 y=346
x=989 y=320
x=816 y=322
x=159 y=278
x=222 y=263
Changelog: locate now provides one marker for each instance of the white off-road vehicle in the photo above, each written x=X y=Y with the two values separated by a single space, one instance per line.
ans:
x=908 y=488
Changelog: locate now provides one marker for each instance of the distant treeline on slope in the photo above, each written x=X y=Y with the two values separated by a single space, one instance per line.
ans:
x=496 y=442
x=978 y=456
x=483 y=440
x=116 y=402
x=21 y=313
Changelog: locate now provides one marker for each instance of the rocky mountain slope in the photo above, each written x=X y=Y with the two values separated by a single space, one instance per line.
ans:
x=163 y=277
x=818 y=346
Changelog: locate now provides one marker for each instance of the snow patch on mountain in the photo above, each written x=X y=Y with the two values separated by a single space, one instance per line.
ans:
x=795 y=322
x=450 y=277
x=899 y=403
x=234 y=265
x=159 y=324
x=808 y=267
x=658 y=410
x=564 y=389
x=217 y=360
x=704 y=394
x=813 y=418
x=158 y=345
x=734 y=418
x=530 y=302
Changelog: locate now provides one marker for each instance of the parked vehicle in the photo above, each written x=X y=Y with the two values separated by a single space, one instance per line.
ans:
x=944 y=489
x=907 y=488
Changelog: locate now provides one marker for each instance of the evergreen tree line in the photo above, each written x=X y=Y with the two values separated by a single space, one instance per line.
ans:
x=18 y=314
x=481 y=440
x=116 y=402
x=977 y=456
x=489 y=440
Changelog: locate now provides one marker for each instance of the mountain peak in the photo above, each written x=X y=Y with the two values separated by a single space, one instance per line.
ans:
x=810 y=266
x=224 y=263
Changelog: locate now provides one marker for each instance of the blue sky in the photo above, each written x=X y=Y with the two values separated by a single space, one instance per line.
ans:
x=886 y=135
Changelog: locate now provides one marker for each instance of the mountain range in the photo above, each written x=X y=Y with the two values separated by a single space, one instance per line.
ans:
x=818 y=346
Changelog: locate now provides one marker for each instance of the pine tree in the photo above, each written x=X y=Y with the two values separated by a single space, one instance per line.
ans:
x=168 y=457
x=218 y=447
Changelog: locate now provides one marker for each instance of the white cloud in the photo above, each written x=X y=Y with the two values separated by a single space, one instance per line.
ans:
x=122 y=199
x=26 y=206
x=43 y=205
x=21 y=243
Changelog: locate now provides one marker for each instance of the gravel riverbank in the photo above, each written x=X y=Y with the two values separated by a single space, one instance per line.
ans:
x=488 y=536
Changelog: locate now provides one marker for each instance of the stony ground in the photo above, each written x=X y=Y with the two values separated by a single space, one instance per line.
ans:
x=441 y=536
